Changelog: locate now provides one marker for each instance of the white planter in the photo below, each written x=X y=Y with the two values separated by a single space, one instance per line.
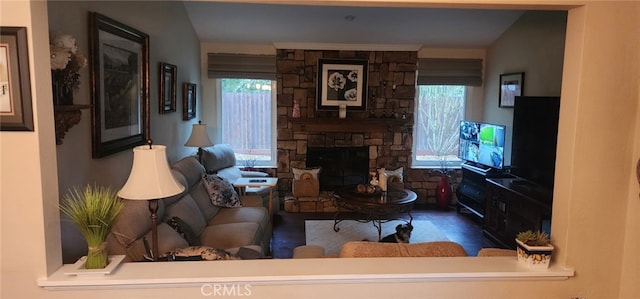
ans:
x=78 y=267
x=536 y=257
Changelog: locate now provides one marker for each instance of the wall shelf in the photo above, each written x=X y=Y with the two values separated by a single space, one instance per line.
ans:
x=67 y=116
x=351 y=124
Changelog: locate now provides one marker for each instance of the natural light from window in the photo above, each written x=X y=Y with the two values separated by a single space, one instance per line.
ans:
x=439 y=110
x=247 y=120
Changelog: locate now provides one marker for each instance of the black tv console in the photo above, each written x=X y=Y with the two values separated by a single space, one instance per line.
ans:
x=472 y=190
x=515 y=205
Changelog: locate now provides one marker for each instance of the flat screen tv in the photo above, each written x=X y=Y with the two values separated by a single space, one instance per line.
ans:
x=535 y=135
x=482 y=143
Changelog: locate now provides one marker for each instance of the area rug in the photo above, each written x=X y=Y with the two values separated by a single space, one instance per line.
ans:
x=321 y=233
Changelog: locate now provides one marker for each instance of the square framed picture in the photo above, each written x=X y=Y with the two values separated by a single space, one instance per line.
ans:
x=342 y=82
x=119 y=64
x=188 y=101
x=168 y=74
x=16 y=112
x=511 y=85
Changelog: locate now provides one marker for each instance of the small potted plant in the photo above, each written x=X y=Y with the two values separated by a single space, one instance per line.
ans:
x=534 y=249
x=94 y=210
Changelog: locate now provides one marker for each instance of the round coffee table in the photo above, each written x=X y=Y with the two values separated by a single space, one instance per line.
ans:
x=378 y=208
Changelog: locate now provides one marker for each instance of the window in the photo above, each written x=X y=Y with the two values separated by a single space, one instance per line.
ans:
x=439 y=110
x=443 y=86
x=247 y=120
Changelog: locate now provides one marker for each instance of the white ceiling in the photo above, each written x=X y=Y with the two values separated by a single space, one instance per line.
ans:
x=223 y=22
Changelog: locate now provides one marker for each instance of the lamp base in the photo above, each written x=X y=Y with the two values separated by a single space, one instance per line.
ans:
x=153 y=208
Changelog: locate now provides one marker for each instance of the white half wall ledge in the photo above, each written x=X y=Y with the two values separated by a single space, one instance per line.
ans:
x=305 y=271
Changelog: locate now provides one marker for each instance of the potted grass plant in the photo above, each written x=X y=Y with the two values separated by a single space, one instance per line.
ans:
x=93 y=210
x=534 y=249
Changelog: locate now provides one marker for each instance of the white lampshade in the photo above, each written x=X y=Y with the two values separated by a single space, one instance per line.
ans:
x=199 y=136
x=150 y=176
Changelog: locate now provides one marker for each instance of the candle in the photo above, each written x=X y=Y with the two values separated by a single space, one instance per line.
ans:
x=382 y=181
x=343 y=111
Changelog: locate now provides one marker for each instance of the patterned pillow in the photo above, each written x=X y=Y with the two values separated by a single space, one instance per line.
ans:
x=184 y=230
x=221 y=193
x=297 y=172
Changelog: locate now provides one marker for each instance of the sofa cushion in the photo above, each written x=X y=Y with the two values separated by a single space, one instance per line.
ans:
x=258 y=215
x=426 y=249
x=133 y=221
x=187 y=209
x=190 y=168
x=200 y=195
x=222 y=193
x=230 y=235
x=168 y=240
x=177 y=175
x=218 y=157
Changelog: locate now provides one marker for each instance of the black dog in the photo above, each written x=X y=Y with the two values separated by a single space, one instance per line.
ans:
x=402 y=235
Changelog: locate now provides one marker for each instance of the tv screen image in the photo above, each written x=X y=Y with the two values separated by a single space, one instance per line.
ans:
x=482 y=143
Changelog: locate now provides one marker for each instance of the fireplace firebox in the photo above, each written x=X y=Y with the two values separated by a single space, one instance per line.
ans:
x=341 y=166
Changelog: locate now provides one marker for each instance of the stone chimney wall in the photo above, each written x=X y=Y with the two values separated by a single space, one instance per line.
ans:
x=386 y=127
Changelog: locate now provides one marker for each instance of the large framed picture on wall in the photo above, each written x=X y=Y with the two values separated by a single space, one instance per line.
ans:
x=120 y=81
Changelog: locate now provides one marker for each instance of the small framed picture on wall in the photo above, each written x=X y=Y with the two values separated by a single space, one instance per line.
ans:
x=168 y=74
x=511 y=85
x=188 y=101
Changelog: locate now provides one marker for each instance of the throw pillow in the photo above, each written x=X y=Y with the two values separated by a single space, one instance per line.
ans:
x=221 y=193
x=184 y=230
x=199 y=253
x=298 y=172
x=397 y=173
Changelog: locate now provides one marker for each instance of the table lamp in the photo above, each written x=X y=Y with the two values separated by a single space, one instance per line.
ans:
x=199 y=138
x=150 y=180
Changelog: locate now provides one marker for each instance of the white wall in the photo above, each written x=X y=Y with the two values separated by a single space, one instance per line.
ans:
x=534 y=44
x=173 y=42
x=29 y=223
x=594 y=187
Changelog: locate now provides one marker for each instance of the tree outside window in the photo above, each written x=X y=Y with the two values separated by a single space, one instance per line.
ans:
x=440 y=108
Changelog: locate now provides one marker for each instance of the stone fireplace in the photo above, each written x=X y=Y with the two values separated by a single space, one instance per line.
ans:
x=384 y=130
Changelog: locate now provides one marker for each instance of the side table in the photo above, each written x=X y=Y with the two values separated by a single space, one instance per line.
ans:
x=243 y=183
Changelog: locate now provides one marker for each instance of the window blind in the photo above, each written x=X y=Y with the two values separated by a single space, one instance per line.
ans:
x=241 y=66
x=450 y=71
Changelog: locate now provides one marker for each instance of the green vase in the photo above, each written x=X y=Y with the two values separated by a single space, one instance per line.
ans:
x=97 y=257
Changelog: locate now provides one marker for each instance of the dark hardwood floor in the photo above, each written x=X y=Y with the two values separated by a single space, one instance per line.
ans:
x=463 y=228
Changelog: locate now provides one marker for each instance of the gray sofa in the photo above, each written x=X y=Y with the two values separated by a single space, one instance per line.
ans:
x=224 y=228
x=221 y=160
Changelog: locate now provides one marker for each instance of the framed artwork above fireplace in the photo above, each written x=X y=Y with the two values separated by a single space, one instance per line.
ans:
x=342 y=82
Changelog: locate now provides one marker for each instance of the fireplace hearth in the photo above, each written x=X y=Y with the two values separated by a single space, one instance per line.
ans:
x=341 y=166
